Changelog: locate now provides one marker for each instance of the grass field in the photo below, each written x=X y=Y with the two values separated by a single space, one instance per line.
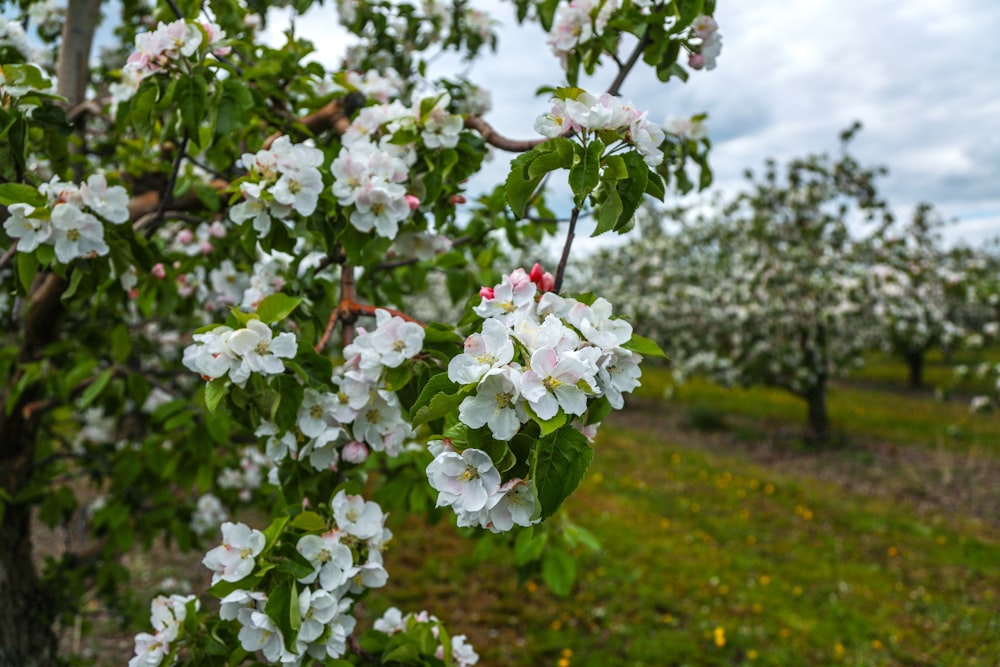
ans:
x=720 y=550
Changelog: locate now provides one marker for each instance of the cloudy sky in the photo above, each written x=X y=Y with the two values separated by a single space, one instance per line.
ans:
x=923 y=76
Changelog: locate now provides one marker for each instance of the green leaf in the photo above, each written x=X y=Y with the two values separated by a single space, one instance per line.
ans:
x=94 y=389
x=277 y=307
x=559 y=571
x=284 y=411
x=27 y=267
x=309 y=521
x=655 y=187
x=520 y=186
x=644 y=346
x=214 y=392
x=19 y=193
x=585 y=174
x=598 y=411
x=279 y=608
x=434 y=402
x=528 y=546
x=121 y=343
x=631 y=189
x=190 y=97
x=561 y=461
x=609 y=213
x=549 y=425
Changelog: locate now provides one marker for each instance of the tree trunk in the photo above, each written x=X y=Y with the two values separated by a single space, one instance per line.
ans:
x=819 y=418
x=27 y=611
x=26 y=615
x=915 y=363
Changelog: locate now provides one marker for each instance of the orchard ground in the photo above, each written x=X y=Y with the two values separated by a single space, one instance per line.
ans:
x=727 y=541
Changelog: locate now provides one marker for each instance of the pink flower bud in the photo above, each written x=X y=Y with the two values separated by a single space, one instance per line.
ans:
x=536 y=272
x=696 y=61
x=354 y=452
x=456 y=199
x=547 y=283
x=413 y=202
x=185 y=236
x=133 y=293
x=205 y=248
x=158 y=271
x=486 y=292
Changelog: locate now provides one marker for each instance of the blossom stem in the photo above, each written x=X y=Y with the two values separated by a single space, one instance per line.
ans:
x=565 y=253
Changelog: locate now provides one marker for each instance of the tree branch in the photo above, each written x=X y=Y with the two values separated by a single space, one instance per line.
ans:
x=493 y=138
x=624 y=69
x=561 y=270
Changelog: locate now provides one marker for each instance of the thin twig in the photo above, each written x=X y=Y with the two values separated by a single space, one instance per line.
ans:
x=332 y=322
x=8 y=255
x=169 y=192
x=623 y=70
x=565 y=253
x=347 y=288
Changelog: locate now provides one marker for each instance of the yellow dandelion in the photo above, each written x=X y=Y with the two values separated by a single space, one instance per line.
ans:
x=567 y=653
x=769 y=489
x=531 y=587
x=838 y=650
x=764 y=580
x=892 y=551
x=563 y=662
x=664 y=523
x=597 y=478
x=877 y=645
x=751 y=654
x=720 y=636
x=556 y=625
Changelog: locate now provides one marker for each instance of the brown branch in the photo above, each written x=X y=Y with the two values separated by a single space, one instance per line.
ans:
x=8 y=254
x=493 y=138
x=561 y=270
x=624 y=69
x=336 y=114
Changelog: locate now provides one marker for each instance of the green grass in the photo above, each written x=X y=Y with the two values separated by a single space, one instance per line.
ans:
x=889 y=371
x=790 y=572
x=856 y=411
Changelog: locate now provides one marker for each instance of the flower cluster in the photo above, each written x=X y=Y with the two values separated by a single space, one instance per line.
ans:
x=71 y=221
x=585 y=113
x=538 y=357
x=470 y=484
x=167 y=615
x=346 y=561
x=706 y=31
x=282 y=179
x=239 y=352
x=163 y=48
x=568 y=351
x=372 y=172
x=577 y=22
x=361 y=414
x=393 y=621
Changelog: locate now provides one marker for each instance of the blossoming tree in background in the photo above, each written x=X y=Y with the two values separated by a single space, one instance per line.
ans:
x=918 y=292
x=209 y=245
x=769 y=289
